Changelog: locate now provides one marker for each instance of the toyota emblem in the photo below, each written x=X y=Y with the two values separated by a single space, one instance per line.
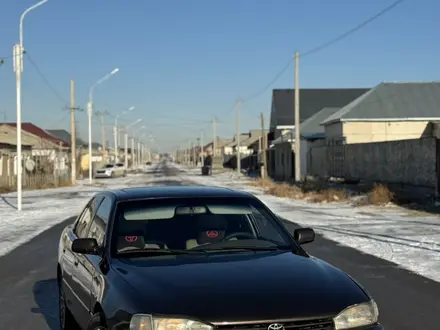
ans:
x=275 y=326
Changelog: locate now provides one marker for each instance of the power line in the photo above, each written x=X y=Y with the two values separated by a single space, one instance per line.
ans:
x=328 y=44
x=43 y=77
x=353 y=30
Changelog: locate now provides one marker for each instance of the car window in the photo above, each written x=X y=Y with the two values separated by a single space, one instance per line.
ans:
x=100 y=220
x=104 y=209
x=97 y=230
x=180 y=223
x=83 y=222
x=109 y=166
x=267 y=229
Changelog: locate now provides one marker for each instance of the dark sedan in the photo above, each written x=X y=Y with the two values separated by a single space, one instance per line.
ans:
x=198 y=258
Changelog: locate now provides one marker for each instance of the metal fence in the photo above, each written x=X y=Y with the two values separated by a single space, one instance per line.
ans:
x=410 y=162
x=44 y=175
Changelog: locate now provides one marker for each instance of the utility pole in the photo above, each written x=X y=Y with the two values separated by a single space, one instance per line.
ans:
x=197 y=150
x=73 y=132
x=202 y=158
x=193 y=151
x=263 y=148
x=237 y=123
x=101 y=115
x=214 y=137
x=189 y=153
x=297 y=123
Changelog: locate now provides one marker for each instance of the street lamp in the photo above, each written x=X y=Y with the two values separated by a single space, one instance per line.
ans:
x=115 y=130
x=126 y=141
x=18 y=68
x=132 y=144
x=89 y=113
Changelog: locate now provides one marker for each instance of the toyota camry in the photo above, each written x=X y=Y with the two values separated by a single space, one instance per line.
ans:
x=198 y=258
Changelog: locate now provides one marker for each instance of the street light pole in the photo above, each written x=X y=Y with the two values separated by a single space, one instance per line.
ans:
x=18 y=68
x=126 y=141
x=89 y=113
x=116 y=131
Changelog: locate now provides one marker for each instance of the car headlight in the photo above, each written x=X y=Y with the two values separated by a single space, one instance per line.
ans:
x=357 y=316
x=149 y=322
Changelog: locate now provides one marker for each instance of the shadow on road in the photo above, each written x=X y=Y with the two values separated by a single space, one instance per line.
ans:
x=46 y=297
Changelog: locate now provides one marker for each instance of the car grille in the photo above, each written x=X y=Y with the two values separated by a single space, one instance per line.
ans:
x=100 y=172
x=310 y=324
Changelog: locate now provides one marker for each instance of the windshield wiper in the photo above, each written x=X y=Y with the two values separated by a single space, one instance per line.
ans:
x=245 y=248
x=160 y=251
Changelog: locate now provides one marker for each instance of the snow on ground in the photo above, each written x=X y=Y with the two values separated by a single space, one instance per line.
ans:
x=410 y=241
x=43 y=209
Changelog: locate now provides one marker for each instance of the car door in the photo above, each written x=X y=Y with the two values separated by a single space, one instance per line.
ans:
x=97 y=230
x=69 y=259
x=83 y=271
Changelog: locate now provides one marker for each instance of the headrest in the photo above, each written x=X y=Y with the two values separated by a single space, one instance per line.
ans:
x=211 y=221
x=211 y=228
x=131 y=241
x=210 y=236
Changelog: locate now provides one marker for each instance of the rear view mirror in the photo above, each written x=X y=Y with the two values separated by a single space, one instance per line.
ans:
x=190 y=210
x=85 y=246
x=304 y=235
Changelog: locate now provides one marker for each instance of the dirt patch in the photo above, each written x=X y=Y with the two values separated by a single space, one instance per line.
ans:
x=321 y=192
x=380 y=195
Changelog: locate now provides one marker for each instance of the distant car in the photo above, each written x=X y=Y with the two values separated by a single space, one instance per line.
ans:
x=148 y=163
x=111 y=171
x=198 y=258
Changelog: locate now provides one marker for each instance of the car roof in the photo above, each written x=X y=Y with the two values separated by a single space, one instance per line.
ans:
x=176 y=192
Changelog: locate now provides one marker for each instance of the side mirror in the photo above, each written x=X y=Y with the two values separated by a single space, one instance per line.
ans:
x=304 y=235
x=85 y=246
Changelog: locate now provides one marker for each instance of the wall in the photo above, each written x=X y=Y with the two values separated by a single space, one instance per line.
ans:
x=333 y=131
x=366 y=132
x=407 y=161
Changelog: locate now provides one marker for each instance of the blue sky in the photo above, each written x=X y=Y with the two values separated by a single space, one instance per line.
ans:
x=182 y=62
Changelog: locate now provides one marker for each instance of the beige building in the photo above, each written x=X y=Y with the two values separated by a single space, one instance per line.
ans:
x=388 y=112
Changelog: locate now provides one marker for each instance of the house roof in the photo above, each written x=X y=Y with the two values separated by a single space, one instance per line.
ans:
x=223 y=142
x=312 y=127
x=393 y=101
x=62 y=134
x=312 y=100
x=41 y=133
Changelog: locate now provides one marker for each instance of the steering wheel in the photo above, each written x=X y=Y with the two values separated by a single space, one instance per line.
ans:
x=243 y=234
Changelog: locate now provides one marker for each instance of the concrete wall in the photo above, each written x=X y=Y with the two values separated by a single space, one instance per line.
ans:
x=407 y=161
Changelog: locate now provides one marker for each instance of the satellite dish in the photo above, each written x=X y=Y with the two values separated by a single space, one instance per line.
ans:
x=29 y=165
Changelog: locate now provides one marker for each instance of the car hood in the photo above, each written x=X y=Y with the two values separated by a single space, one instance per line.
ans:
x=239 y=286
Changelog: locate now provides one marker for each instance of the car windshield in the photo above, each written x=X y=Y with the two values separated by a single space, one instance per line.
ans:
x=109 y=166
x=202 y=225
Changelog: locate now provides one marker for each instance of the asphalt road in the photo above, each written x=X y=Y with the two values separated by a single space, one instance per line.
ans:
x=28 y=291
